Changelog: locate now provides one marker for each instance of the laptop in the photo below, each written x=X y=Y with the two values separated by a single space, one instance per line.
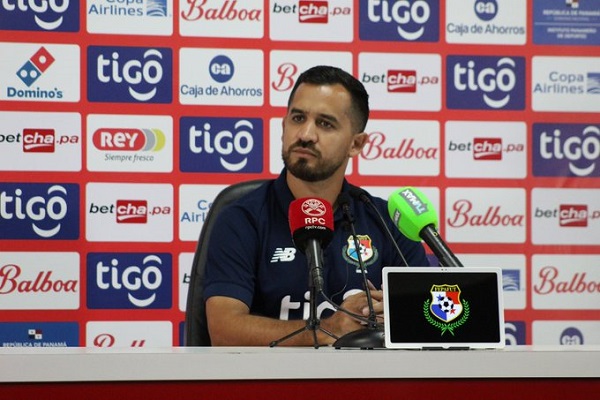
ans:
x=443 y=308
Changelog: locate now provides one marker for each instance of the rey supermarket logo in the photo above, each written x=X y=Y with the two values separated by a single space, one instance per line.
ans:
x=35 y=67
x=445 y=307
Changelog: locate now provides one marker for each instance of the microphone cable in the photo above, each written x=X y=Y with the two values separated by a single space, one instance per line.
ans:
x=361 y=195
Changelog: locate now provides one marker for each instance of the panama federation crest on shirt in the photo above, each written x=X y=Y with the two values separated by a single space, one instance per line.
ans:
x=366 y=249
x=445 y=309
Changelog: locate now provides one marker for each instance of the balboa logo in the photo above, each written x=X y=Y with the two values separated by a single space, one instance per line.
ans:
x=35 y=15
x=39 y=211
x=225 y=144
x=399 y=20
x=129 y=139
x=485 y=82
x=493 y=216
x=129 y=74
x=129 y=280
x=444 y=308
x=229 y=11
x=573 y=149
x=377 y=148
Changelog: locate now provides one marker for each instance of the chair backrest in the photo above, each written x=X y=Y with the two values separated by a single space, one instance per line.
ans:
x=196 y=329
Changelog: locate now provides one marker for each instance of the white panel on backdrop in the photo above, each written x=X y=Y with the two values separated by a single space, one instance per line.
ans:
x=566 y=333
x=222 y=18
x=275 y=160
x=152 y=334
x=565 y=216
x=194 y=203
x=402 y=81
x=565 y=282
x=39 y=72
x=130 y=143
x=40 y=141
x=129 y=212
x=131 y=17
x=314 y=21
x=485 y=215
x=221 y=77
x=401 y=148
x=514 y=275
x=486 y=22
x=570 y=84
x=39 y=281
x=486 y=149
x=286 y=66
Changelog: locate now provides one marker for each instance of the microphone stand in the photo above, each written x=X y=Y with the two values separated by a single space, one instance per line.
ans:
x=313 y=323
x=372 y=337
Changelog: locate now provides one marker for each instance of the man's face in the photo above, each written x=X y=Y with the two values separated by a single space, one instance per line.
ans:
x=318 y=138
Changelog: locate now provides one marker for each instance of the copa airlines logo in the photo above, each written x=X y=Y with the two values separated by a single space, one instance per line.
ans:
x=486 y=82
x=221 y=144
x=129 y=280
x=129 y=139
x=39 y=211
x=566 y=150
x=399 y=20
x=129 y=74
x=35 y=15
x=152 y=8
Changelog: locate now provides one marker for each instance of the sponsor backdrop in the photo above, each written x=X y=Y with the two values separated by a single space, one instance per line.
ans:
x=122 y=119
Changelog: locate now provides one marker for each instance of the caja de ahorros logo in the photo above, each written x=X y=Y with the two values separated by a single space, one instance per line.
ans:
x=445 y=309
x=39 y=211
x=213 y=144
x=129 y=74
x=129 y=280
x=400 y=20
x=40 y=15
x=485 y=83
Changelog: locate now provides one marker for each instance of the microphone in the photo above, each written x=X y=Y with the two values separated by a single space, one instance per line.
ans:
x=372 y=336
x=415 y=217
x=311 y=223
x=361 y=195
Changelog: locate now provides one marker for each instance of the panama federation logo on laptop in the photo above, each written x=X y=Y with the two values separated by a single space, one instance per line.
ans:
x=445 y=307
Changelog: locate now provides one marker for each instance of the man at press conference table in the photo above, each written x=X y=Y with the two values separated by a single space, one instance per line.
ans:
x=256 y=287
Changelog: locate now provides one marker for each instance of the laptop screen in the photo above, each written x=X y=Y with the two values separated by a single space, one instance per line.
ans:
x=431 y=307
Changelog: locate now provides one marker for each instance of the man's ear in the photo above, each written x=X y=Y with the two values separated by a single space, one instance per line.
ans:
x=358 y=142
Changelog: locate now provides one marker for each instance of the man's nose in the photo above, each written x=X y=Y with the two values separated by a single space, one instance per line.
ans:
x=308 y=132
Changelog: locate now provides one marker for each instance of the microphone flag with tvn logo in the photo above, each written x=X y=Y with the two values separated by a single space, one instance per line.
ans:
x=446 y=306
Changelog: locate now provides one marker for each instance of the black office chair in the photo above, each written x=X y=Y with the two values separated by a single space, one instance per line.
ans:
x=196 y=329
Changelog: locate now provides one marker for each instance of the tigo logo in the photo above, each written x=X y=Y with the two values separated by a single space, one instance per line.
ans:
x=492 y=83
x=34 y=15
x=223 y=144
x=399 y=20
x=35 y=67
x=39 y=211
x=129 y=74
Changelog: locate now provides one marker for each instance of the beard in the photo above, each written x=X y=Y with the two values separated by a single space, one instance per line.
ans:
x=301 y=169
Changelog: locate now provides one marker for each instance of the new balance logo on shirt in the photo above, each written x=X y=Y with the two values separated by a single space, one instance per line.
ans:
x=285 y=254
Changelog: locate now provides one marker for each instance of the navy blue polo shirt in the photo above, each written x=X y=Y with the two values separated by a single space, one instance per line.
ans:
x=252 y=258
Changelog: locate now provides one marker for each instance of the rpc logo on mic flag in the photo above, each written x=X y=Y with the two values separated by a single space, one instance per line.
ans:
x=311 y=218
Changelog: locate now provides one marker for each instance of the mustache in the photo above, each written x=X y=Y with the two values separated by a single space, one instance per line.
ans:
x=305 y=145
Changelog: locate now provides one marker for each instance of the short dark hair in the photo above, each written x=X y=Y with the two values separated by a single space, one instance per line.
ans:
x=328 y=75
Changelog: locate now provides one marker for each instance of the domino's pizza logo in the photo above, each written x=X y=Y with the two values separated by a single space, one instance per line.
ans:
x=399 y=20
x=35 y=67
x=485 y=83
x=43 y=16
x=130 y=74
